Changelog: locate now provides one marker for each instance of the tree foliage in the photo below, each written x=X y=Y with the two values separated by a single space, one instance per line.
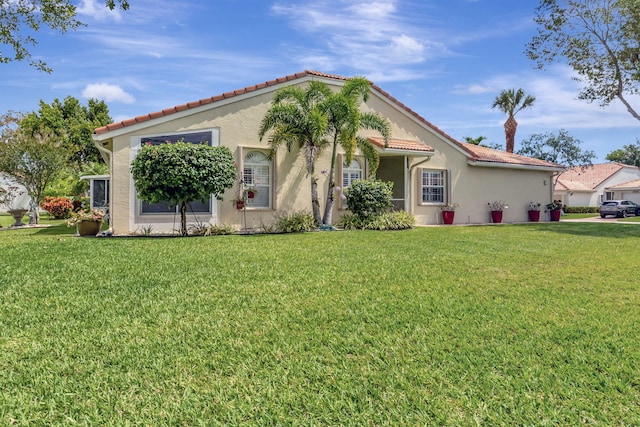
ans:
x=315 y=118
x=297 y=119
x=73 y=122
x=345 y=120
x=20 y=19
x=629 y=155
x=510 y=102
x=181 y=172
x=33 y=160
x=560 y=148
x=599 y=39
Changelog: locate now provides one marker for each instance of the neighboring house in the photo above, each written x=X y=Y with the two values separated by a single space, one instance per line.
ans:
x=628 y=190
x=428 y=167
x=98 y=191
x=22 y=198
x=590 y=186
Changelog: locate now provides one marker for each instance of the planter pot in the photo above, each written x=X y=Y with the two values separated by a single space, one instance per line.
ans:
x=239 y=204
x=534 y=216
x=89 y=228
x=17 y=215
x=251 y=194
x=496 y=217
x=555 y=215
x=447 y=217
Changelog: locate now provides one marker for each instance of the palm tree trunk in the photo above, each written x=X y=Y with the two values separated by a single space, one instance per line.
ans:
x=328 y=208
x=510 y=127
x=315 y=203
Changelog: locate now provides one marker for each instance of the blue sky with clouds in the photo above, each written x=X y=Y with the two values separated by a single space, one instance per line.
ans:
x=445 y=59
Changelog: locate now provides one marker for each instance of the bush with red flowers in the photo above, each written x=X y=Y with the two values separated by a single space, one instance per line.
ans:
x=59 y=207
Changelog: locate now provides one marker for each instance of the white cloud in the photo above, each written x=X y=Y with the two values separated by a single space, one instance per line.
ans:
x=97 y=11
x=107 y=92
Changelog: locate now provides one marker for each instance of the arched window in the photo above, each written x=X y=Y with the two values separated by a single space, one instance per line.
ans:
x=257 y=176
x=351 y=173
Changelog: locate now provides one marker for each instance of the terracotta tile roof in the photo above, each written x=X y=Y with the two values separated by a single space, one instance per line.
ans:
x=475 y=153
x=589 y=178
x=491 y=155
x=401 y=144
x=626 y=185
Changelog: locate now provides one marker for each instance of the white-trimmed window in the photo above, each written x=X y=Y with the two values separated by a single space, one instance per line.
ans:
x=351 y=173
x=433 y=186
x=194 y=206
x=257 y=175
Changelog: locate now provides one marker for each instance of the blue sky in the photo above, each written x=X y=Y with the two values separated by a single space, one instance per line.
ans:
x=445 y=59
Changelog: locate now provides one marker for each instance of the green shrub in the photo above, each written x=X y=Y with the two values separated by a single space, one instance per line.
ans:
x=350 y=221
x=295 y=222
x=58 y=207
x=581 y=209
x=369 y=197
x=397 y=220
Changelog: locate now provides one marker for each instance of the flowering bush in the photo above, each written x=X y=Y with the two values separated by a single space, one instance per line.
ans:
x=450 y=206
x=534 y=206
x=497 y=205
x=59 y=207
x=85 y=215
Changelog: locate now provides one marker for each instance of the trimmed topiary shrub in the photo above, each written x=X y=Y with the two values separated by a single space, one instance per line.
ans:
x=369 y=197
x=58 y=207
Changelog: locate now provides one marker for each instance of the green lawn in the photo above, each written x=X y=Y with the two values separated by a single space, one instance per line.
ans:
x=533 y=324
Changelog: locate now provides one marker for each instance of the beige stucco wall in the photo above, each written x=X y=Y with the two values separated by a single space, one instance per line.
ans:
x=236 y=123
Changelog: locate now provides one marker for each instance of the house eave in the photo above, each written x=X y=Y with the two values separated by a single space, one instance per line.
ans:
x=485 y=164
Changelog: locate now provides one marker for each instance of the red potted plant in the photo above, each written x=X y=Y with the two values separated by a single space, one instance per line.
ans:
x=534 y=211
x=448 y=212
x=496 y=208
x=555 y=210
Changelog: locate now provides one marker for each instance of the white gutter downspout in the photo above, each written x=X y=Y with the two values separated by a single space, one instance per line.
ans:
x=408 y=191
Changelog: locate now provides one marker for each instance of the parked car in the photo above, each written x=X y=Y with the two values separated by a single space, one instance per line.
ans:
x=619 y=208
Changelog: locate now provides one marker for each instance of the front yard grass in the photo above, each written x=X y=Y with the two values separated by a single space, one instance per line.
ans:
x=532 y=324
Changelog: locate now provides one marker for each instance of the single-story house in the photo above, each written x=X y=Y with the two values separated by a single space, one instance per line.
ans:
x=21 y=197
x=428 y=168
x=627 y=190
x=590 y=186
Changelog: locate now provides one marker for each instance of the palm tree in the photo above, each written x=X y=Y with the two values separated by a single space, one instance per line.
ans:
x=345 y=120
x=511 y=102
x=297 y=117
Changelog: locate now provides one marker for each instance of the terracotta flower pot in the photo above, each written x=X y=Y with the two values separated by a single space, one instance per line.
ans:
x=496 y=217
x=89 y=228
x=534 y=216
x=447 y=217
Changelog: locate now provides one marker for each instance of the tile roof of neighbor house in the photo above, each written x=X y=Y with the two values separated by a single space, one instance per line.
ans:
x=475 y=153
x=588 y=179
x=631 y=185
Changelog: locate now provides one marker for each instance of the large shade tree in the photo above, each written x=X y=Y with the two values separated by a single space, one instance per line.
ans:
x=510 y=102
x=345 y=120
x=557 y=147
x=33 y=160
x=74 y=122
x=21 y=19
x=629 y=154
x=181 y=172
x=598 y=39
